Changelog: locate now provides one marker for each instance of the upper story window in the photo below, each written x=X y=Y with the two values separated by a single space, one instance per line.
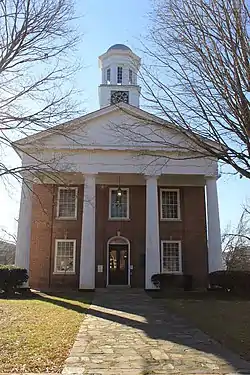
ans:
x=67 y=202
x=130 y=76
x=170 y=204
x=108 y=76
x=119 y=205
x=65 y=256
x=171 y=261
x=119 y=75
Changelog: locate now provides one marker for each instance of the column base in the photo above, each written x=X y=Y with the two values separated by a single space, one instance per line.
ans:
x=151 y=288
x=86 y=288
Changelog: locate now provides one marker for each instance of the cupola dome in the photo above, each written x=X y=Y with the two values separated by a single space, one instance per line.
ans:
x=119 y=47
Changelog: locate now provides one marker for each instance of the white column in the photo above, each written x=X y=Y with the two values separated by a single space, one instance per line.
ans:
x=87 y=262
x=213 y=226
x=22 y=258
x=152 y=231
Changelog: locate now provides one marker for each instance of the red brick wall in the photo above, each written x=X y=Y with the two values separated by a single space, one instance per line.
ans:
x=195 y=237
x=46 y=228
x=191 y=230
x=133 y=229
x=42 y=206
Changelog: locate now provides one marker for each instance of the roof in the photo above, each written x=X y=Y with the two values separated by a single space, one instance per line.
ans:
x=119 y=47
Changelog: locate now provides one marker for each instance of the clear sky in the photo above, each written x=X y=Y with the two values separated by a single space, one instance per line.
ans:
x=102 y=24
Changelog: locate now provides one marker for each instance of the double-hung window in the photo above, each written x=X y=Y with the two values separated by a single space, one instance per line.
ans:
x=108 y=76
x=119 y=203
x=119 y=75
x=65 y=256
x=67 y=203
x=170 y=204
x=171 y=261
x=130 y=78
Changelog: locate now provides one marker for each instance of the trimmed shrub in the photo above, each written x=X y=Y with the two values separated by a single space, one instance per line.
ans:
x=11 y=278
x=237 y=281
x=156 y=280
x=166 y=281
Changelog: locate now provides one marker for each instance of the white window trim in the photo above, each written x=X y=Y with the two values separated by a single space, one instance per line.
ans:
x=118 y=218
x=74 y=258
x=178 y=207
x=180 y=257
x=58 y=200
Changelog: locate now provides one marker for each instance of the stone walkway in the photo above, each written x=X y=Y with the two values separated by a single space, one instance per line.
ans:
x=128 y=333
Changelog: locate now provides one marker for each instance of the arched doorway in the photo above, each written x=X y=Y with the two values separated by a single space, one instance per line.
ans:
x=118 y=261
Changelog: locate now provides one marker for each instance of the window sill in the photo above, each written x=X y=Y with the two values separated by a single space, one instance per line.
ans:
x=64 y=273
x=172 y=273
x=119 y=219
x=65 y=218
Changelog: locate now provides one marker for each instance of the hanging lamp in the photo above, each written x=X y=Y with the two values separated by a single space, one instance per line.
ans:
x=119 y=190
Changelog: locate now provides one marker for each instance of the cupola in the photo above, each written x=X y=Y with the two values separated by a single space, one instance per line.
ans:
x=119 y=66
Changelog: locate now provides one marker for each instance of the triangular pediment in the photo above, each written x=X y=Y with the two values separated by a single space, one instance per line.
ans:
x=114 y=127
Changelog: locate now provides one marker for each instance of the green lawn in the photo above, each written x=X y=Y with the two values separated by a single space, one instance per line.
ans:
x=37 y=333
x=225 y=318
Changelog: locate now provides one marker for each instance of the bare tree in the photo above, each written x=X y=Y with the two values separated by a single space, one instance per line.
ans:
x=197 y=76
x=236 y=244
x=37 y=67
x=7 y=247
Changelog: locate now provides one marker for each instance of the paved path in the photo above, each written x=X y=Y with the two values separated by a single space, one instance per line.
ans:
x=128 y=333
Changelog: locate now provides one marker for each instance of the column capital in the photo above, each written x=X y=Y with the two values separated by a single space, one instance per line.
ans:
x=89 y=174
x=211 y=178
x=151 y=176
x=89 y=178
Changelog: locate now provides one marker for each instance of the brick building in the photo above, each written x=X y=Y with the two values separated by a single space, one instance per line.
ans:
x=103 y=209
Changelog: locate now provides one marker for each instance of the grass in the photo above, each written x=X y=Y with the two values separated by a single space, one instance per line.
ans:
x=36 y=334
x=225 y=318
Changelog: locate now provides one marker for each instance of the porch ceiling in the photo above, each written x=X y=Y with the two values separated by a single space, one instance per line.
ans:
x=116 y=179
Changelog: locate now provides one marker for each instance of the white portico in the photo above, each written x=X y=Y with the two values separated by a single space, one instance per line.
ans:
x=152 y=249
x=108 y=148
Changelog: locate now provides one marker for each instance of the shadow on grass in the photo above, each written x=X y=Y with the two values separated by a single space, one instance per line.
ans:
x=158 y=323
x=18 y=296
x=198 y=295
x=66 y=300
